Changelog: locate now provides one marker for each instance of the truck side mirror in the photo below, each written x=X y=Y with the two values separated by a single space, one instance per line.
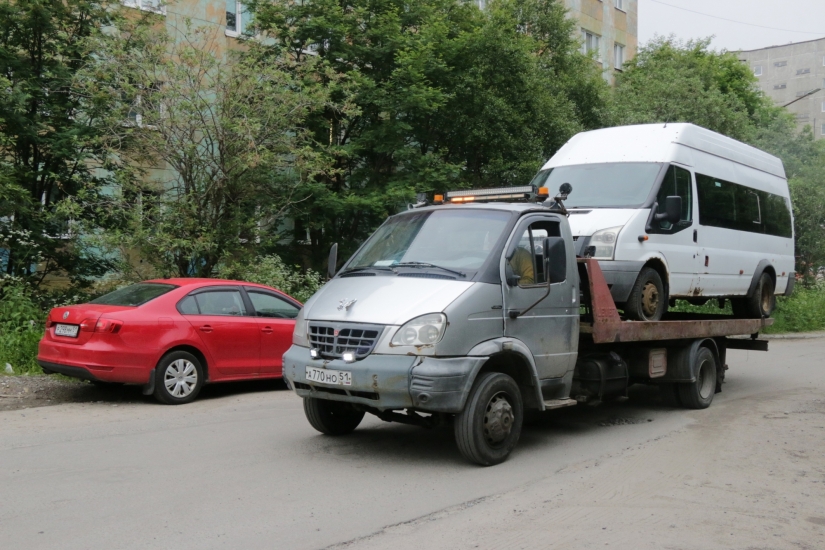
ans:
x=673 y=210
x=555 y=259
x=333 y=261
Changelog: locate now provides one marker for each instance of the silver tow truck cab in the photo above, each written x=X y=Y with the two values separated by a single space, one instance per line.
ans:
x=440 y=298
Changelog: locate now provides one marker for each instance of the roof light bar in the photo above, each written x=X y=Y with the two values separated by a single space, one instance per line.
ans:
x=492 y=194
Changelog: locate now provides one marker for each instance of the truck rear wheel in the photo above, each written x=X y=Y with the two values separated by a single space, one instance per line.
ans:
x=332 y=417
x=699 y=394
x=489 y=427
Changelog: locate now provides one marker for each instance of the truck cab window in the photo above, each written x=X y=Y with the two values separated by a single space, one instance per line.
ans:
x=527 y=261
x=677 y=183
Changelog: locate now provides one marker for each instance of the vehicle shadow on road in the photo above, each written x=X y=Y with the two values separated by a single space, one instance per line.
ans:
x=398 y=443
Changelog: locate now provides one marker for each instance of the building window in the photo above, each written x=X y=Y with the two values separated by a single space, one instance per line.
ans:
x=757 y=70
x=618 y=56
x=780 y=63
x=823 y=106
x=590 y=43
x=780 y=86
x=803 y=71
x=238 y=19
x=620 y=5
x=148 y=5
x=822 y=130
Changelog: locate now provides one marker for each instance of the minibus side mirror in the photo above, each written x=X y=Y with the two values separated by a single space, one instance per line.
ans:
x=333 y=261
x=673 y=209
x=555 y=260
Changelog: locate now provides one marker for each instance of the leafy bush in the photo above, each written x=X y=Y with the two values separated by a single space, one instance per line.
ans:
x=21 y=327
x=270 y=270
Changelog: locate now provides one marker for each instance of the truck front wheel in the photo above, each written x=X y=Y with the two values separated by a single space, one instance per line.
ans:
x=332 y=417
x=488 y=428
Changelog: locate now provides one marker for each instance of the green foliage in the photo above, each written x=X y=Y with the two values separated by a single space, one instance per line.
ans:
x=674 y=81
x=803 y=311
x=444 y=95
x=225 y=131
x=299 y=283
x=49 y=134
x=21 y=327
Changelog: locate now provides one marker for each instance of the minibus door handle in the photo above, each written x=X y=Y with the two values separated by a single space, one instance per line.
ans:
x=695 y=236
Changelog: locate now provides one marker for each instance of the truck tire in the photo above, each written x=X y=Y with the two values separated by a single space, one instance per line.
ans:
x=332 y=417
x=489 y=427
x=760 y=304
x=648 y=298
x=699 y=394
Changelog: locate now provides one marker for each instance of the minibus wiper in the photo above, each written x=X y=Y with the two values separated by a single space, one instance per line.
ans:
x=425 y=264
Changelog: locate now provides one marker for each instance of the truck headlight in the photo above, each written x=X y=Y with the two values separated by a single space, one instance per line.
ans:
x=299 y=333
x=421 y=331
x=604 y=242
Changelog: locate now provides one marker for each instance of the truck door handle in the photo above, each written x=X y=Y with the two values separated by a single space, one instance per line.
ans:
x=206 y=328
x=267 y=330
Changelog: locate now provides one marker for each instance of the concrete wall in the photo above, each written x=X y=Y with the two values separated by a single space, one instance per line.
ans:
x=789 y=72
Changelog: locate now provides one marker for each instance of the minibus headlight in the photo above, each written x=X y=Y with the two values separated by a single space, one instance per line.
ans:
x=604 y=243
x=421 y=331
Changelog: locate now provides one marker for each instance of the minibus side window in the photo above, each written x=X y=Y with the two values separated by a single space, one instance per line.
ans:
x=733 y=206
x=677 y=183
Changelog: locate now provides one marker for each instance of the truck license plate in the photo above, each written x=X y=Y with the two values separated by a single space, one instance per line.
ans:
x=325 y=376
x=66 y=330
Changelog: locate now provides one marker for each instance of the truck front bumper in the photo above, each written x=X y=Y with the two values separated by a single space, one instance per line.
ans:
x=389 y=382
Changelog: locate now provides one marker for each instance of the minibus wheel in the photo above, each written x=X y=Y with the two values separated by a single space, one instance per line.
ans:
x=332 y=417
x=648 y=298
x=488 y=428
x=758 y=305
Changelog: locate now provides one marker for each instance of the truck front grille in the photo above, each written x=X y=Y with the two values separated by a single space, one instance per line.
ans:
x=332 y=340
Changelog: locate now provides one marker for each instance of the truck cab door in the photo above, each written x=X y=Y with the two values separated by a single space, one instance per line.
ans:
x=550 y=328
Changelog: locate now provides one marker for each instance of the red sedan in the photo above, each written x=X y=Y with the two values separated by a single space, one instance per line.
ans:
x=172 y=336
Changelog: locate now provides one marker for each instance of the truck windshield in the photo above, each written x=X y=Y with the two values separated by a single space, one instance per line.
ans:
x=610 y=185
x=456 y=239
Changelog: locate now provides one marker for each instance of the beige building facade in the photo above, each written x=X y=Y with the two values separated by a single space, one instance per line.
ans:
x=793 y=75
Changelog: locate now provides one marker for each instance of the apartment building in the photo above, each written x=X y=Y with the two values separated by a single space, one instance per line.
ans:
x=793 y=75
x=609 y=30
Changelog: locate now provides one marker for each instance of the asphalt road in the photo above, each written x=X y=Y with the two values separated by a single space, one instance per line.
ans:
x=241 y=468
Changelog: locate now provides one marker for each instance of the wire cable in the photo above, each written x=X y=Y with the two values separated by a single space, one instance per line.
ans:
x=734 y=20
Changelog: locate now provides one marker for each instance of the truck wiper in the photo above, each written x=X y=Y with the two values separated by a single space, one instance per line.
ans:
x=425 y=264
x=365 y=268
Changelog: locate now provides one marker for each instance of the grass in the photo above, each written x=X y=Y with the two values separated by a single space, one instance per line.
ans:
x=19 y=349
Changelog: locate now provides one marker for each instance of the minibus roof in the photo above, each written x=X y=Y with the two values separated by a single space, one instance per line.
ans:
x=660 y=143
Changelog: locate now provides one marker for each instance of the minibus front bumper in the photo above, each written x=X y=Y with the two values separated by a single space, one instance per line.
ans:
x=388 y=382
x=620 y=277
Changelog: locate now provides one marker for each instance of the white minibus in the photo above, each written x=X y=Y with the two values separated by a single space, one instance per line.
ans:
x=677 y=211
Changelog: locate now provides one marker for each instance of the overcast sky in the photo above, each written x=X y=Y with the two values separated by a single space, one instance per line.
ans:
x=790 y=15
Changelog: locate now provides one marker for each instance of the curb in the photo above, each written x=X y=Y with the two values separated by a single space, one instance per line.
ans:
x=794 y=336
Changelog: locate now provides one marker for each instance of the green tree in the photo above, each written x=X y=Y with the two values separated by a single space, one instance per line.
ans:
x=674 y=81
x=49 y=135
x=445 y=95
x=215 y=147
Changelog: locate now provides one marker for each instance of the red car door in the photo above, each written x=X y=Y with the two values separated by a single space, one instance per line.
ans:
x=276 y=319
x=228 y=331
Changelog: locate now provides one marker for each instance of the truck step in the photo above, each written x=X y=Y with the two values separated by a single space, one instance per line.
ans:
x=559 y=403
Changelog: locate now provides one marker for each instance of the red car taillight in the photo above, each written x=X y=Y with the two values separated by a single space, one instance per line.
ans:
x=108 y=325
x=87 y=325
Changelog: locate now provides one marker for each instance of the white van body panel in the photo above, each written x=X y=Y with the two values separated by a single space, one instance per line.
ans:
x=718 y=261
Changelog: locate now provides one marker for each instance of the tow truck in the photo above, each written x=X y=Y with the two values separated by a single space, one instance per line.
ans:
x=472 y=309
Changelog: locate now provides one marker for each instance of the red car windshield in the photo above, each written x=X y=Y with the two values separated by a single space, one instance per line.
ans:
x=134 y=295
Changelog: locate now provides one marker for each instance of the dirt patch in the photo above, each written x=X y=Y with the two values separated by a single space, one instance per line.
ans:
x=26 y=392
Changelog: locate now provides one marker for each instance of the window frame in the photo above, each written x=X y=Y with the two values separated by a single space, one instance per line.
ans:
x=619 y=4
x=757 y=70
x=526 y=226
x=217 y=288
x=598 y=39
x=682 y=224
x=618 y=48
x=239 y=23
x=254 y=289
x=138 y=5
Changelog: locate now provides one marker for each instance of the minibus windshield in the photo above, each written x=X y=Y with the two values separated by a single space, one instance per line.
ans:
x=609 y=185
x=453 y=238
